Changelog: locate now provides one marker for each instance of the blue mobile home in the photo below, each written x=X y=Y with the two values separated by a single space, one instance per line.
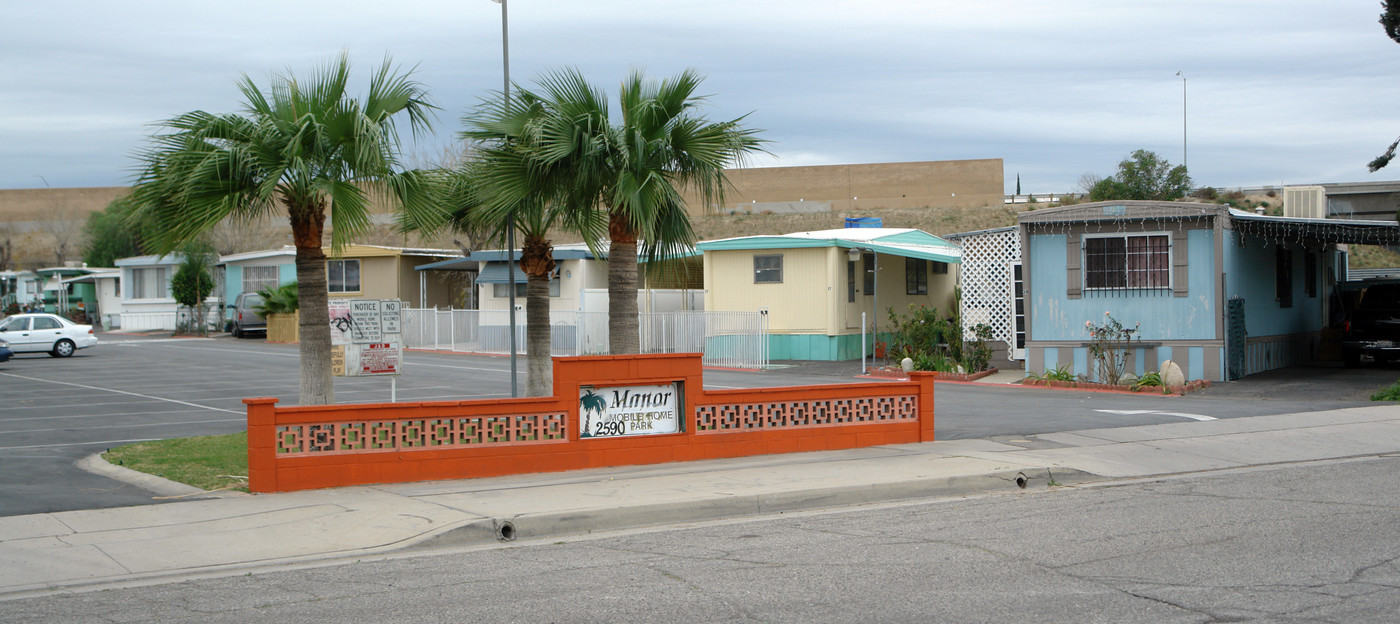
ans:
x=1222 y=292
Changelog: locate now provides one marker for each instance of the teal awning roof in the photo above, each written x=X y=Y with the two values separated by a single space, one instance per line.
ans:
x=904 y=242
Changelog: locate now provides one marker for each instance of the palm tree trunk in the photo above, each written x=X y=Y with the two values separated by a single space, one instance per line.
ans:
x=539 y=366
x=623 y=334
x=314 y=323
x=537 y=262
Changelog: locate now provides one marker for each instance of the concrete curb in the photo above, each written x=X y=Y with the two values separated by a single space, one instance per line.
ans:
x=585 y=521
x=160 y=486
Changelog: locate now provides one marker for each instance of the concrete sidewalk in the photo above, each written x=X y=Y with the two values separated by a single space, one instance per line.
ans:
x=85 y=550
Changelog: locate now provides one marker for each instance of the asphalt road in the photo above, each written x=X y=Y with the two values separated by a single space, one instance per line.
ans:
x=1311 y=542
x=54 y=412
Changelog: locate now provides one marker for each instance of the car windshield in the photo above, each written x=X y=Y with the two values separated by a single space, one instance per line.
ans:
x=5 y=324
x=1382 y=297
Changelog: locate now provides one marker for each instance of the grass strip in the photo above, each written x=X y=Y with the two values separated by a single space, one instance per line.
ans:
x=1390 y=393
x=204 y=462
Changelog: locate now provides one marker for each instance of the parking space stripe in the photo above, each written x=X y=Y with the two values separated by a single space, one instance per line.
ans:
x=34 y=446
x=67 y=416
x=135 y=394
x=157 y=424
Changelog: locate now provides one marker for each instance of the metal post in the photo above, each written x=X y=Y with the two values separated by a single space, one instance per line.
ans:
x=862 y=343
x=1183 y=119
x=510 y=220
x=875 y=305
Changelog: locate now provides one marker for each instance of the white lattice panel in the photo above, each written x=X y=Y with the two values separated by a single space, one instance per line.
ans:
x=986 y=281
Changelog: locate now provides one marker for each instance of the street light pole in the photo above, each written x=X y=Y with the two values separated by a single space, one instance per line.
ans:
x=510 y=219
x=1183 y=118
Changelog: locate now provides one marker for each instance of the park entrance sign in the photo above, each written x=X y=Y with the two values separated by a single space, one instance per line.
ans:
x=611 y=412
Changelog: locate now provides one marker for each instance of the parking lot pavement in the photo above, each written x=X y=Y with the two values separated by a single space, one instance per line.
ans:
x=54 y=412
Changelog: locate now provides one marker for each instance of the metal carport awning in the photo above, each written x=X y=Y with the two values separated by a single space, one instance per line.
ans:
x=495 y=273
x=1316 y=231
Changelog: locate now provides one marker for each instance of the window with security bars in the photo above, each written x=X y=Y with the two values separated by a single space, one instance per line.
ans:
x=256 y=278
x=1127 y=262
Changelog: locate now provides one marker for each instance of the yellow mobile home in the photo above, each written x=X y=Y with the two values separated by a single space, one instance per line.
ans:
x=817 y=285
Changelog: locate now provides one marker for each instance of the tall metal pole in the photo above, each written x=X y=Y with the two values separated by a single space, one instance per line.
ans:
x=1183 y=119
x=510 y=220
x=875 y=304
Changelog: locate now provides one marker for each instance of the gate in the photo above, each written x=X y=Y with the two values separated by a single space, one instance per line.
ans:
x=1235 y=349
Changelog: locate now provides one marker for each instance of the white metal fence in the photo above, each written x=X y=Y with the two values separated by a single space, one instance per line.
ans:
x=730 y=339
x=163 y=321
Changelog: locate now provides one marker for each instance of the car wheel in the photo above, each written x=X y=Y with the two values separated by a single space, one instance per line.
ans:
x=237 y=331
x=63 y=348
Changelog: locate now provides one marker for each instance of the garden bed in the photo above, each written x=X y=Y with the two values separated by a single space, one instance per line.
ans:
x=1191 y=386
x=895 y=372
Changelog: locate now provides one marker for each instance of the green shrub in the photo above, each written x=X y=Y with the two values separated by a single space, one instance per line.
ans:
x=1391 y=393
x=1059 y=373
x=976 y=354
x=922 y=332
x=1148 y=380
x=279 y=300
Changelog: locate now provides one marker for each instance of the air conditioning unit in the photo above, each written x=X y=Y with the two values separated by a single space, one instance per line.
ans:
x=1309 y=202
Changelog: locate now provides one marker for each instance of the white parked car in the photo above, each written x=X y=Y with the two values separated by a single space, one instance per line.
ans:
x=38 y=333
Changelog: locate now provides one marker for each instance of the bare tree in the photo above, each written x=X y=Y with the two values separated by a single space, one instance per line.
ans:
x=1088 y=181
x=64 y=223
x=7 y=247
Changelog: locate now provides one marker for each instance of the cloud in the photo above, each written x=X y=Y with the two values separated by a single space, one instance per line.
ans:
x=1294 y=91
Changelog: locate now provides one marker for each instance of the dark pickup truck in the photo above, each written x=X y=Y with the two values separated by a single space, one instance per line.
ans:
x=1372 y=325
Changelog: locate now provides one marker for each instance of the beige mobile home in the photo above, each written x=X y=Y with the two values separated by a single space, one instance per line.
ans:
x=816 y=285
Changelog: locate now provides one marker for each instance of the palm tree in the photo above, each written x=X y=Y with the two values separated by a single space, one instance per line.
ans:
x=497 y=163
x=303 y=146
x=633 y=171
x=664 y=144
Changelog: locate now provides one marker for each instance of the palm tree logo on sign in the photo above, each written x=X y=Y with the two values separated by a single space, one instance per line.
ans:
x=591 y=404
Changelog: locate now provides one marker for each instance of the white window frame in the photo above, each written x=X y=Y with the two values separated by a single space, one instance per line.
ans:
x=150 y=280
x=767 y=272
x=359 y=276
x=1169 y=269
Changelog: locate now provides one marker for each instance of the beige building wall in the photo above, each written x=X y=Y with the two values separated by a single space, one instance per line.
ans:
x=27 y=207
x=378 y=278
x=798 y=305
x=386 y=273
x=813 y=298
x=937 y=184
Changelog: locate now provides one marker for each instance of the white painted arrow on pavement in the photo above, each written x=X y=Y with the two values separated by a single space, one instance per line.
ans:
x=1158 y=412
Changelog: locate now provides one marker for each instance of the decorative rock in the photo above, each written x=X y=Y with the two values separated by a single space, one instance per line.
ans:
x=1171 y=374
x=907 y=364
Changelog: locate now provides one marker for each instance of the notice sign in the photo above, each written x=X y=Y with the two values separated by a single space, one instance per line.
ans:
x=366 y=323
x=340 y=321
x=366 y=337
x=383 y=358
x=390 y=320
x=629 y=410
x=338 y=360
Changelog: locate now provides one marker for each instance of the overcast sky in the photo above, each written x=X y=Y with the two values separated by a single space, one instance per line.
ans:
x=1277 y=91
